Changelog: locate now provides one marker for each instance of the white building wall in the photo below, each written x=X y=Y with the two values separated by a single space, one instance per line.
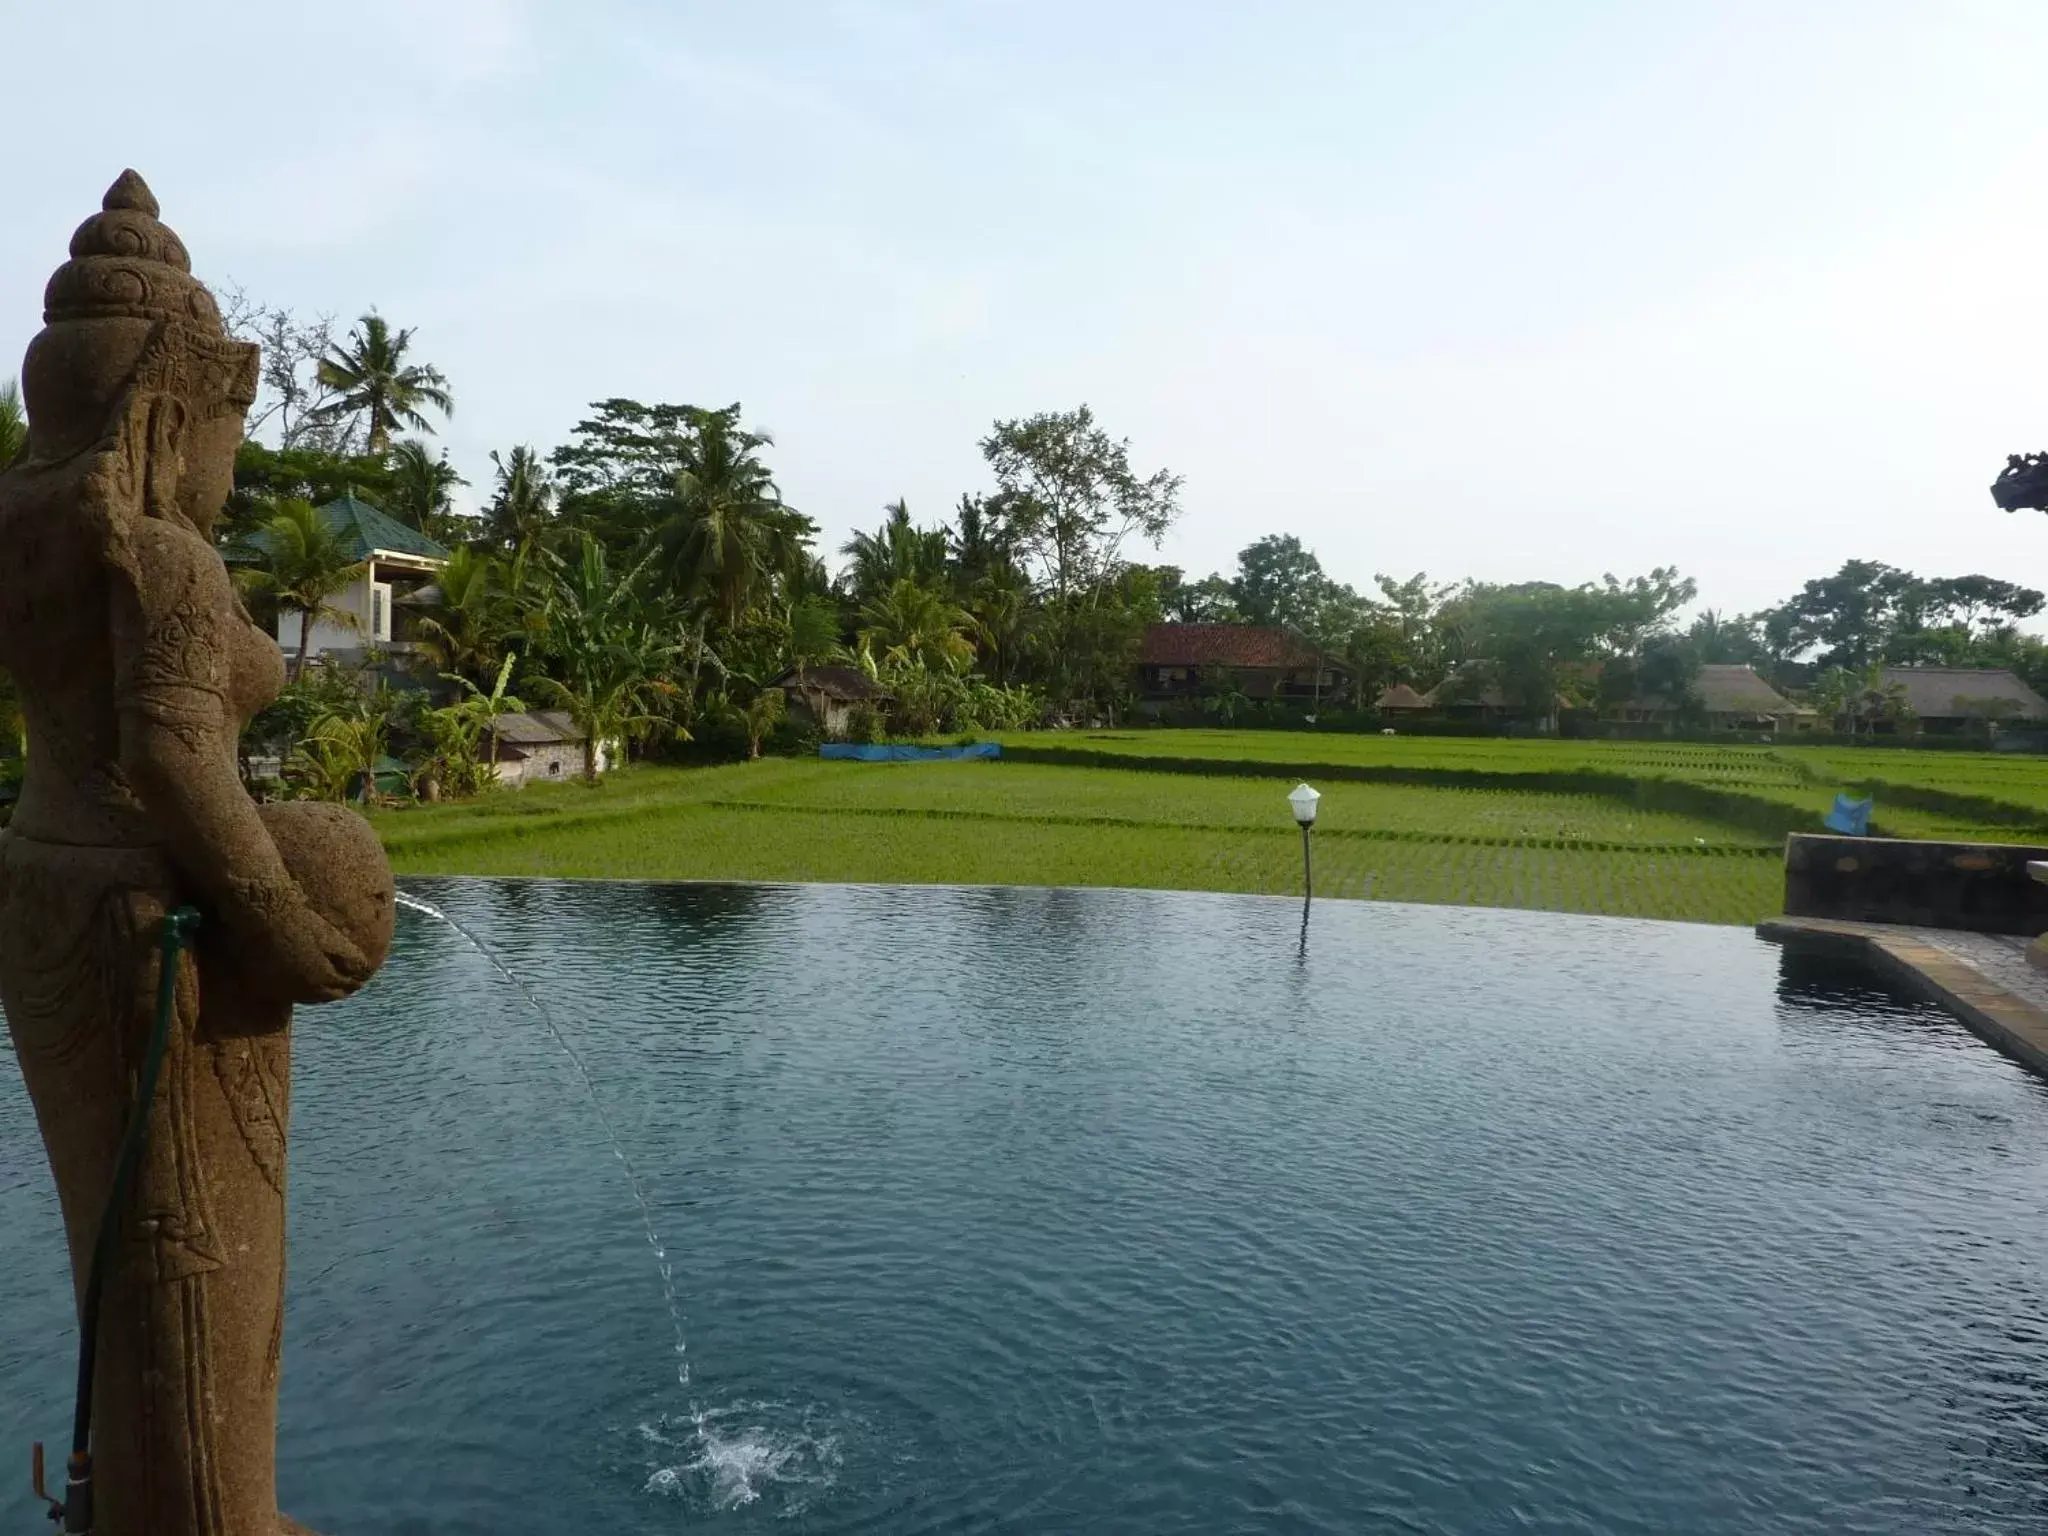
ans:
x=328 y=633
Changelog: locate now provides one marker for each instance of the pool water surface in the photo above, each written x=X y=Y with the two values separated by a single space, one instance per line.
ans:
x=1046 y=1210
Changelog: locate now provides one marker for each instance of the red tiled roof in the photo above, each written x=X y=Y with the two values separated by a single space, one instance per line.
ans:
x=1223 y=645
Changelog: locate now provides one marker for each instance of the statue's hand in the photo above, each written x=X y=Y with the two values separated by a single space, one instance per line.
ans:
x=290 y=952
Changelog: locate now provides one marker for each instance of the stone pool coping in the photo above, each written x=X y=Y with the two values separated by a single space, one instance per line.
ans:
x=1983 y=978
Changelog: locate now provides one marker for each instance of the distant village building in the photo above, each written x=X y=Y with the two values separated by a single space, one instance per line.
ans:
x=1455 y=698
x=1950 y=700
x=543 y=744
x=825 y=697
x=367 y=612
x=1402 y=700
x=1176 y=661
x=1725 y=697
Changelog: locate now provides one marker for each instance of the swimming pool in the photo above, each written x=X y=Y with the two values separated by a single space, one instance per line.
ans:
x=1060 y=1210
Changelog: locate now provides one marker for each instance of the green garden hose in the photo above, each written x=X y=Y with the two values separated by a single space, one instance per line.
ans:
x=76 y=1509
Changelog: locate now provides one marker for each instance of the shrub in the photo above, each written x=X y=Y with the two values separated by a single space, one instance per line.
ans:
x=863 y=722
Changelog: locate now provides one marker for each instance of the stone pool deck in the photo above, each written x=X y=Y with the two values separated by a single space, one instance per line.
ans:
x=1985 y=979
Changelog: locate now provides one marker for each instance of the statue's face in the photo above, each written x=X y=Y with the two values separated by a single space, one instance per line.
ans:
x=208 y=472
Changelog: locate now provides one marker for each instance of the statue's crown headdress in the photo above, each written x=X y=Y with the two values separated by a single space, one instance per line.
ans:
x=126 y=265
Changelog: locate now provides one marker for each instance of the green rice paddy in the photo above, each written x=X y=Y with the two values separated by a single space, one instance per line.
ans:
x=1633 y=829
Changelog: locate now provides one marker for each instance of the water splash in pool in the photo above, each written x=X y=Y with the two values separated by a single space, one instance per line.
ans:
x=654 y=1242
x=731 y=1456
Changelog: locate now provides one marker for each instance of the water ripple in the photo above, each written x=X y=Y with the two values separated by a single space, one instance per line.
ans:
x=1053 y=1210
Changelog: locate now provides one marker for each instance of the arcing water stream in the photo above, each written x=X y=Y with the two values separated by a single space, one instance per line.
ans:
x=654 y=1242
x=732 y=1454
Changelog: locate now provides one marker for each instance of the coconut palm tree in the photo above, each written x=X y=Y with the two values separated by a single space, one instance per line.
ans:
x=462 y=618
x=761 y=716
x=610 y=656
x=912 y=623
x=422 y=487
x=728 y=536
x=812 y=634
x=13 y=423
x=523 y=508
x=897 y=551
x=999 y=603
x=302 y=562
x=377 y=386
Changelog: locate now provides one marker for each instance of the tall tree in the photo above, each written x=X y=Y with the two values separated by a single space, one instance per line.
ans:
x=1868 y=612
x=1071 y=503
x=1278 y=581
x=1539 y=643
x=465 y=624
x=617 y=472
x=1212 y=600
x=1418 y=613
x=1727 y=639
x=915 y=624
x=811 y=635
x=377 y=388
x=1642 y=606
x=301 y=564
x=978 y=541
x=897 y=551
x=522 y=505
x=609 y=653
x=295 y=405
x=1073 y=498
x=422 y=489
x=1846 y=617
x=727 y=534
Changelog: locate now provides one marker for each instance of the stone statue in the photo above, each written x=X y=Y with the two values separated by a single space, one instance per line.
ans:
x=137 y=666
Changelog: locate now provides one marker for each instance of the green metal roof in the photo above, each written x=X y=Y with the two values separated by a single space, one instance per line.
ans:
x=365 y=528
x=362 y=526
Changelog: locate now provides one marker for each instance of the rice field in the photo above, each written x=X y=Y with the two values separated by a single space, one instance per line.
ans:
x=1640 y=829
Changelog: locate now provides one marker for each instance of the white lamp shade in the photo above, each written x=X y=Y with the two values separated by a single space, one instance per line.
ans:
x=1303 y=802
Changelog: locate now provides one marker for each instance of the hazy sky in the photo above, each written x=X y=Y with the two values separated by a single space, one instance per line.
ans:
x=1522 y=290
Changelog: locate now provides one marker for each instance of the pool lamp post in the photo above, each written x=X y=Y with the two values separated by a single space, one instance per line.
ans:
x=1303 y=803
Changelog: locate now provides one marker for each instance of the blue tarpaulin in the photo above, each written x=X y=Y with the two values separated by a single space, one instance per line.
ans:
x=1850 y=815
x=892 y=752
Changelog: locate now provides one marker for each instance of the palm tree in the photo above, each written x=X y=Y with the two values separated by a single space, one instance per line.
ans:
x=761 y=717
x=464 y=619
x=999 y=603
x=13 y=424
x=912 y=623
x=611 y=657
x=524 y=507
x=812 y=634
x=303 y=562
x=337 y=758
x=421 y=487
x=897 y=551
x=376 y=384
x=729 y=535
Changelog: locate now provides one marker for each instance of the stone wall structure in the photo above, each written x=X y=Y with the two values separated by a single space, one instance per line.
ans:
x=1983 y=887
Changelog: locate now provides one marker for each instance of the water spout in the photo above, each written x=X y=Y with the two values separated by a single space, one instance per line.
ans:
x=633 y=1181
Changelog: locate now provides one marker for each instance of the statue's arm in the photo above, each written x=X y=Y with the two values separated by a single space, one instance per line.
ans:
x=178 y=754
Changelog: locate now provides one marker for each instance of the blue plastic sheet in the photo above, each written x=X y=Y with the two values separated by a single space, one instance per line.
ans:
x=892 y=752
x=1850 y=815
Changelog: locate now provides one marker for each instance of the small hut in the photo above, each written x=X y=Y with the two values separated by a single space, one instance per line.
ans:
x=1402 y=700
x=825 y=696
x=545 y=744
